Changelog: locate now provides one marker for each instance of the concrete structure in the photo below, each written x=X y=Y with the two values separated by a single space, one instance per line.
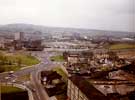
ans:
x=19 y=36
x=78 y=57
x=79 y=89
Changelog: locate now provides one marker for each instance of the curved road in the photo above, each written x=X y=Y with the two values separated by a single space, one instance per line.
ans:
x=35 y=86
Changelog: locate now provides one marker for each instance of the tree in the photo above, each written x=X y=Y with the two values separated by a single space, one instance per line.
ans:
x=112 y=55
x=2 y=69
x=19 y=61
x=3 y=60
x=88 y=55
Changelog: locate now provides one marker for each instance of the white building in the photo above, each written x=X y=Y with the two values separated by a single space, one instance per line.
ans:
x=19 y=36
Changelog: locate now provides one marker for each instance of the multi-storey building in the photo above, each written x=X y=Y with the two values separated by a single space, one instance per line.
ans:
x=80 y=89
x=19 y=36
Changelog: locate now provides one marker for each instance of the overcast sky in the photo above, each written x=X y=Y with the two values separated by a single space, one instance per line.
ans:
x=92 y=14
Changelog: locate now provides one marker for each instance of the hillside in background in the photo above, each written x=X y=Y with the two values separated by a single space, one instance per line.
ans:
x=29 y=28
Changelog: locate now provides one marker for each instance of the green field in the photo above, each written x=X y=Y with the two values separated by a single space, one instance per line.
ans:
x=122 y=46
x=10 y=89
x=25 y=59
x=16 y=61
x=61 y=72
x=58 y=58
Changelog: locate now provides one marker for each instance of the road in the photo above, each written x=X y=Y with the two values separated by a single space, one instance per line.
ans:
x=45 y=64
x=35 y=86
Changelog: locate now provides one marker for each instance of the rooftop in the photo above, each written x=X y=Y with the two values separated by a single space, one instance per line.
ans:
x=88 y=89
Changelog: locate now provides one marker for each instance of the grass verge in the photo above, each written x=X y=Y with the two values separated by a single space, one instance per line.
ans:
x=58 y=58
x=61 y=72
x=122 y=46
x=10 y=89
x=15 y=61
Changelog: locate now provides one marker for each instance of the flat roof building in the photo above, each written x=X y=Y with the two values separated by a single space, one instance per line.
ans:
x=19 y=36
x=80 y=89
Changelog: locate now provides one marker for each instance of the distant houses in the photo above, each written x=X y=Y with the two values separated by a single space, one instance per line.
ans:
x=99 y=76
